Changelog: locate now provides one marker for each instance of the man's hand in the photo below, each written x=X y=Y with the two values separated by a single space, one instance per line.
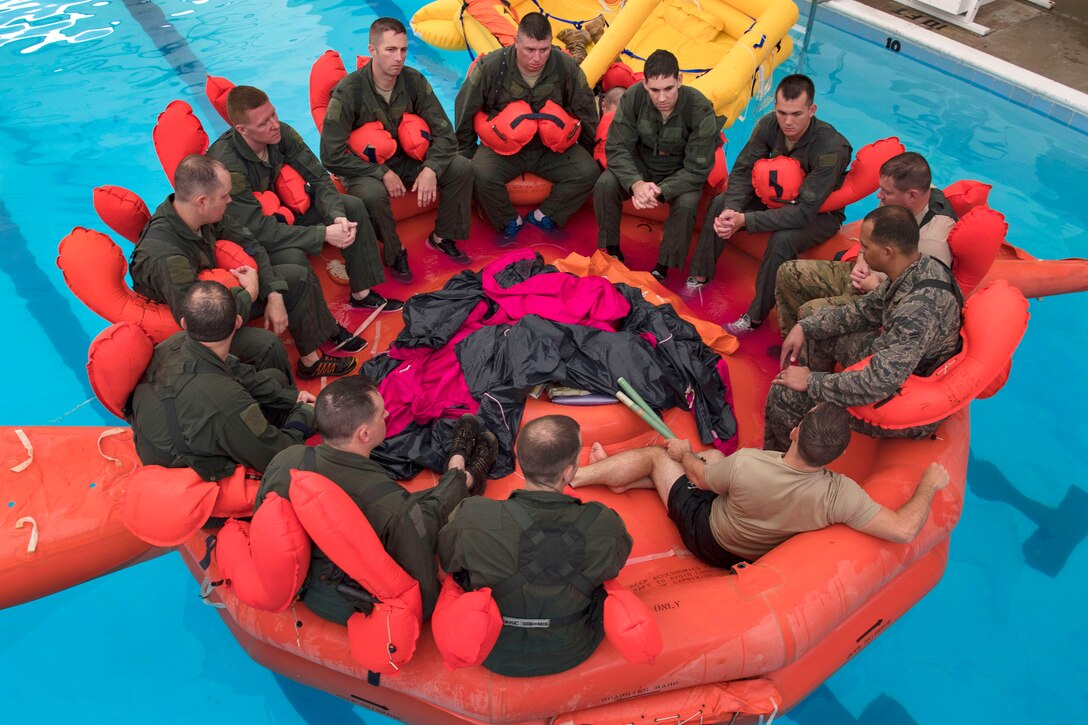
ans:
x=677 y=447
x=791 y=346
x=305 y=396
x=728 y=223
x=426 y=186
x=341 y=233
x=644 y=194
x=935 y=476
x=393 y=185
x=247 y=279
x=275 y=313
x=794 y=377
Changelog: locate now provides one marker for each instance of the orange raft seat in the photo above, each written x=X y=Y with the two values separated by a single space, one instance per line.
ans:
x=994 y=321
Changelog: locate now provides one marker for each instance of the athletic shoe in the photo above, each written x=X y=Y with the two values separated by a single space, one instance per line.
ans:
x=327 y=366
x=481 y=460
x=401 y=271
x=693 y=284
x=465 y=431
x=742 y=325
x=449 y=248
x=509 y=231
x=373 y=301
x=615 y=252
x=544 y=222
x=344 y=340
x=659 y=271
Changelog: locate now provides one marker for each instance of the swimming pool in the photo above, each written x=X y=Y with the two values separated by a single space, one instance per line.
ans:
x=1000 y=637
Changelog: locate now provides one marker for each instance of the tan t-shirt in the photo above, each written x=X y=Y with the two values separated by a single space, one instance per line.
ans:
x=531 y=78
x=933 y=237
x=762 y=501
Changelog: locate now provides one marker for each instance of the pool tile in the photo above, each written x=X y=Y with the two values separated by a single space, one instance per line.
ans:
x=1061 y=114
x=1001 y=87
x=1040 y=104
x=1021 y=96
x=1079 y=122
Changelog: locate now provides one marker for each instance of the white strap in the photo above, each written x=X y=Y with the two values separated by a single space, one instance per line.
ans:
x=29 y=451
x=106 y=434
x=33 y=545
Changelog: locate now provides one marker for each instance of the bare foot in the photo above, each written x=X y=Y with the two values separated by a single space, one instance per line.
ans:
x=597 y=453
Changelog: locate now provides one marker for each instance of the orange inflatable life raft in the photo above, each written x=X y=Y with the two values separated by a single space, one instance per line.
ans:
x=777 y=181
x=994 y=321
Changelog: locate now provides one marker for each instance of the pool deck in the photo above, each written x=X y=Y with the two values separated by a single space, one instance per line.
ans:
x=1052 y=43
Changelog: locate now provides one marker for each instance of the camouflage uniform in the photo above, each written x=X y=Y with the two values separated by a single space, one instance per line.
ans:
x=494 y=82
x=806 y=285
x=291 y=243
x=193 y=409
x=169 y=256
x=675 y=154
x=356 y=101
x=824 y=155
x=909 y=325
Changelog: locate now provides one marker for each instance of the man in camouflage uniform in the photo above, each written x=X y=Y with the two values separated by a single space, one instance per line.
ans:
x=806 y=285
x=351 y=417
x=528 y=70
x=660 y=149
x=384 y=90
x=254 y=152
x=910 y=324
x=198 y=406
x=179 y=242
x=791 y=130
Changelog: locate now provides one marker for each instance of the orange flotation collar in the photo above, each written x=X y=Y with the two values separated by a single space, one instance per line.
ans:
x=994 y=321
x=123 y=211
x=508 y=131
x=177 y=134
x=619 y=75
x=777 y=181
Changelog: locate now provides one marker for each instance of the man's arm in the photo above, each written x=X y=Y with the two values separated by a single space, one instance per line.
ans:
x=698 y=155
x=248 y=437
x=443 y=140
x=297 y=155
x=622 y=138
x=583 y=106
x=830 y=164
x=264 y=388
x=341 y=118
x=470 y=99
x=903 y=524
x=245 y=211
x=740 y=193
x=897 y=352
x=862 y=313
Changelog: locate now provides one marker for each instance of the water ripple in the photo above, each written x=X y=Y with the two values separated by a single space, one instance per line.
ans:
x=46 y=23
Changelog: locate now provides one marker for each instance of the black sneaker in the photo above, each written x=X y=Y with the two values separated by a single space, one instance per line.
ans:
x=326 y=366
x=373 y=301
x=659 y=271
x=447 y=247
x=465 y=431
x=479 y=464
x=344 y=340
x=401 y=271
x=615 y=252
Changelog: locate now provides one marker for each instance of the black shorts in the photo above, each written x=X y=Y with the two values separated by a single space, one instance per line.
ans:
x=689 y=509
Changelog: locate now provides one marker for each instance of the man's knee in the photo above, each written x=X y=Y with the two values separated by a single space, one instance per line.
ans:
x=607 y=187
x=355 y=209
x=369 y=190
x=686 y=203
x=459 y=168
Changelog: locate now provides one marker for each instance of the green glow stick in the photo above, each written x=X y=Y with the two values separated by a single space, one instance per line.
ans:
x=639 y=400
x=651 y=420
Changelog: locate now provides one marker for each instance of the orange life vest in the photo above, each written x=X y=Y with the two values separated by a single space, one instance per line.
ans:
x=177 y=134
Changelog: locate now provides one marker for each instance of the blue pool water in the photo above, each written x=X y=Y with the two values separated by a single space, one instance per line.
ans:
x=1001 y=637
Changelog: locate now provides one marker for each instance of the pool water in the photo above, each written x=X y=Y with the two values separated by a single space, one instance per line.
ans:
x=82 y=82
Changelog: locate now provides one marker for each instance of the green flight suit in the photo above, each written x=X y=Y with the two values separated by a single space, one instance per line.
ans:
x=354 y=102
x=222 y=410
x=291 y=243
x=406 y=523
x=824 y=155
x=494 y=82
x=676 y=154
x=549 y=625
x=910 y=325
x=169 y=256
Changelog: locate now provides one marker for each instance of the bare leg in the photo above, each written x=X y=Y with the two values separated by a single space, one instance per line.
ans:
x=641 y=468
x=458 y=461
